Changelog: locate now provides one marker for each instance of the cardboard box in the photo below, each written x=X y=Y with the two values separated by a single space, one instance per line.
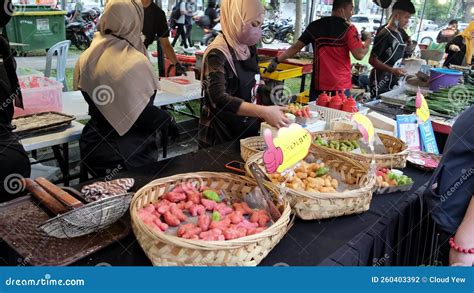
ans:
x=383 y=123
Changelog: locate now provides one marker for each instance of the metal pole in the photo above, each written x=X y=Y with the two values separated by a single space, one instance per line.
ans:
x=311 y=14
x=421 y=21
x=160 y=57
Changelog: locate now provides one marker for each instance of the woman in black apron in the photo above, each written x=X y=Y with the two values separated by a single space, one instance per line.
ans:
x=231 y=77
x=119 y=84
x=13 y=158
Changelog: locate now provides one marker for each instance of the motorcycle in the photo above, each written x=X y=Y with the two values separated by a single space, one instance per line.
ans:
x=282 y=30
x=209 y=33
x=81 y=33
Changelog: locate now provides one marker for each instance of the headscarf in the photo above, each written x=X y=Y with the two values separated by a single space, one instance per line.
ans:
x=234 y=15
x=466 y=34
x=114 y=71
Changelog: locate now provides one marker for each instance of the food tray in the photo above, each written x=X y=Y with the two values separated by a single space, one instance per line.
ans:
x=392 y=189
x=306 y=64
x=170 y=250
x=34 y=124
x=19 y=220
x=423 y=161
x=284 y=71
x=390 y=111
x=185 y=86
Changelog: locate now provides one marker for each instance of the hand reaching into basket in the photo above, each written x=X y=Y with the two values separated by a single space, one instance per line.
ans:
x=272 y=157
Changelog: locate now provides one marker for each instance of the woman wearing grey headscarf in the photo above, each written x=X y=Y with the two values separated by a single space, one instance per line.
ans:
x=14 y=161
x=119 y=83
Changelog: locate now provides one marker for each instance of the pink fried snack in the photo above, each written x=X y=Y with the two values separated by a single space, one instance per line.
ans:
x=194 y=196
x=162 y=226
x=208 y=204
x=233 y=232
x=197 y=210
x=212 y=235
x=223 y=209
x=235 y=217
x=221 y=225
x=175 y=196
x=243 y=208
x=178 y=213
x=261 y=217
x=162 y=206
x=204 y=221
x=189 y=231
x=171 y=219
x=247 y=225
x=255 y=230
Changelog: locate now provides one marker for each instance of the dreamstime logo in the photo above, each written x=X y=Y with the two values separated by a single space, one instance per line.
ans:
x=281 y=264
x=280 y=95
x=24 y=261
x=112 y=173
x=10 y=9
x=103 y=95
x=466 y=174
x=459 y=95
x=103 y=264
x=13 y=183
x=197 y=182
x=381 y=261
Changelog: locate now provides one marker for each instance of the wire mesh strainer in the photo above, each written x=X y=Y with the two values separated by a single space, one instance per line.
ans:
x=89 y=218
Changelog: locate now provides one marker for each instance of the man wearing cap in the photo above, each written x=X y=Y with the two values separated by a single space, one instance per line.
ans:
x=389 y=47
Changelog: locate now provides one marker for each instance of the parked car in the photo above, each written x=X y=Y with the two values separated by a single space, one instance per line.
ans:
x=366 y=22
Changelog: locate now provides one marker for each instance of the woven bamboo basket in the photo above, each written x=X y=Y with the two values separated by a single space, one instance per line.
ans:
x=168 y=250
x=317 y=206
x=397 y=149
x=250 y=146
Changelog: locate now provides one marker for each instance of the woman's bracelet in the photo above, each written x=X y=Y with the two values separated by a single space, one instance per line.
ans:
x=458 y=248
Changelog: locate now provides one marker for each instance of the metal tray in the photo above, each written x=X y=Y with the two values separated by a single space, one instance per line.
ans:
x=392 y=189
x=19 y=220
x=60 y=122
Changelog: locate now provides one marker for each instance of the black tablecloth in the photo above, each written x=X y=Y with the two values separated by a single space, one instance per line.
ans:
x=392 y=232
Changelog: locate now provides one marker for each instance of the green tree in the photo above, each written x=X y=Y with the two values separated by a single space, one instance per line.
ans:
x=440 y=11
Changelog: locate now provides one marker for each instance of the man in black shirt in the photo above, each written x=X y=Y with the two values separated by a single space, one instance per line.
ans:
x=450 y=192
x=211 y=12
x=155 y=26
x=389 y=47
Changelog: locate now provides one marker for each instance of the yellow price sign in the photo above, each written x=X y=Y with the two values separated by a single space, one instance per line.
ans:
x=365 y=127
x=287 y=149
x=422 y=109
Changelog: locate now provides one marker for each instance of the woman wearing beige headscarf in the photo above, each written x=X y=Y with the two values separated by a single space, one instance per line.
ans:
x=119 y=84
x=230 y=77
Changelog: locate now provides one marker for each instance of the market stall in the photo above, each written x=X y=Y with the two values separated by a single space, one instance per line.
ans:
x=355 y=199
x=376 y=237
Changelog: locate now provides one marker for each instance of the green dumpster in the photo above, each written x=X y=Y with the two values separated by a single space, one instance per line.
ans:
x=38 y=27
x=197 y=33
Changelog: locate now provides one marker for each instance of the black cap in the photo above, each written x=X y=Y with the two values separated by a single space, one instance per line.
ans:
x=404 y=5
